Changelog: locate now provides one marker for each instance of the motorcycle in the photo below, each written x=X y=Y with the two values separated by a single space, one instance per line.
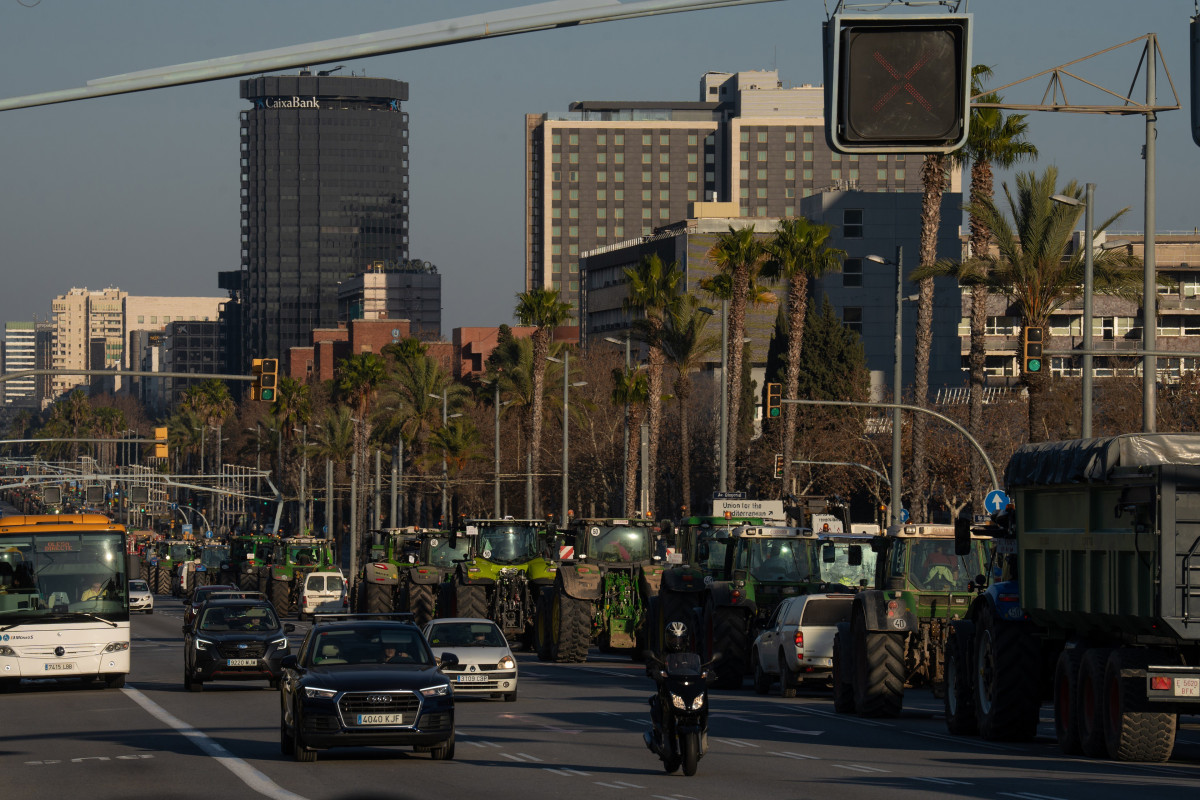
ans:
x=679 y=711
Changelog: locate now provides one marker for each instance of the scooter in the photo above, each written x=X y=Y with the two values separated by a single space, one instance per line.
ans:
x=679 y=711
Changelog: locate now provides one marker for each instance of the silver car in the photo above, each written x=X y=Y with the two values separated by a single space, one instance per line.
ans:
x=140 y=598
x=485 y=662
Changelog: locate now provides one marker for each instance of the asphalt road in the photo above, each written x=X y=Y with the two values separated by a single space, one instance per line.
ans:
x=575 y=731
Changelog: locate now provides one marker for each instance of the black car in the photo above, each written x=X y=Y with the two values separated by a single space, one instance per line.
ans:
x=234 y=639
x=365 y=680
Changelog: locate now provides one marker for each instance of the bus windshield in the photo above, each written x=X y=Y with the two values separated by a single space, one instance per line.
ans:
x=509 y=544
x=48 y=574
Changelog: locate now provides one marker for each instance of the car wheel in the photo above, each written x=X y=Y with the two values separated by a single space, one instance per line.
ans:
x=286 y=745
x=273 y=684
x=762 y=681
x=443 y=751
x=301 y=753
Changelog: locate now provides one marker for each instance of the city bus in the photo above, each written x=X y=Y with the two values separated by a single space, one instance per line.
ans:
x=64 y=600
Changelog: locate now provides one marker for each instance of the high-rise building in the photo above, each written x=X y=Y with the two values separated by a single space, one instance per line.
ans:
x=411 y=291
x=20 y=355
x=608 y=173
x=324 y=170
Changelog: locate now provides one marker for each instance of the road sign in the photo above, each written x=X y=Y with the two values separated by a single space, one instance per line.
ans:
x=208 y=534
x=187 y=530
x=729 y=495
x=763 y=509
x=904 y=515
x=996 y=500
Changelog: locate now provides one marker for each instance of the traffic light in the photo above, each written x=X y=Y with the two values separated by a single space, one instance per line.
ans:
x=774 y=399
x=779 y=465
x=268 y=379
x=897 y=84
x=256 y=371
x=160 y=442
x=1032 y=363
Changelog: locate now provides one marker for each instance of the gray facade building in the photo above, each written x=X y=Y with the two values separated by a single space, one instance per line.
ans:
x=192 y=347
x=324 y=170
x=411 y=291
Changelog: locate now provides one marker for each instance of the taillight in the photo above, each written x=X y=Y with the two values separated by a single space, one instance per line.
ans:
x=799 y=645
x=892 y=606
x=1161 y=684
x=735 y=595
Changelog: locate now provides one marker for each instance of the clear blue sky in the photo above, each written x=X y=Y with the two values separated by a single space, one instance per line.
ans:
x=141 y=191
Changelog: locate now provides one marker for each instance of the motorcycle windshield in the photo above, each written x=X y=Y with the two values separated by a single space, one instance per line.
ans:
x=683 y=664
x=513 y=544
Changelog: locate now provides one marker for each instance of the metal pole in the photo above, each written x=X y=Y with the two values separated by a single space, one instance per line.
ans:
x=354 y=512
x=566 y=447
x=258 y=457
x=400 y=480
x=497 y=486
x=724 y=393
x=395 y=486
x=645 y=504
x=203 y=436
x=1149 y=288
x=529 y=484
x=303 y=479
x=378 y=506
x=445 y=476
x=626 y=423
x=330 y=526
x=1085 y=430
x=897 y=388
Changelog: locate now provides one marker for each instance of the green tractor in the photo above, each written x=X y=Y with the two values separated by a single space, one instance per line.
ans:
x=897 y=632
x=162 y=559
x=247 y=553
x=510 y=563
x=403 y=570
x=205 y=567
x=602 y=594
x=290 y=561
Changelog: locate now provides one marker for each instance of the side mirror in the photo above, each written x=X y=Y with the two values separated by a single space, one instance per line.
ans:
x=288 y=627
x=962 y=537
x=854 y=556
x=290 y=661
x=829 y=554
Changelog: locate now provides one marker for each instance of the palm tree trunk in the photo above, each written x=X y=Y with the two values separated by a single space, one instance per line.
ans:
x=934 y=177
x=631 y=467
x=737 y=332
x=682 y=391
x=797 y=308
x=541 y=349
x=654 y=414
x=981 y=189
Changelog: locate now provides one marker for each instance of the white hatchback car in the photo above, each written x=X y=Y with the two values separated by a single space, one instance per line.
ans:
x=140 y=597
x=323 y=593
x=797 y=644
x=485 y=661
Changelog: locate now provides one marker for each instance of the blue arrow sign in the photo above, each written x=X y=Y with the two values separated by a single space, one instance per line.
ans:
x=904 y=515
x=996 y=500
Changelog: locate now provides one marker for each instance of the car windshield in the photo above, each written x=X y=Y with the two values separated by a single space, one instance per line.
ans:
x=466 y=634
x=508 y=544
x=138 y=586
x=246 y=619
x=619 y=544
x=932 y=566
x=369 y=645
x=778 y=560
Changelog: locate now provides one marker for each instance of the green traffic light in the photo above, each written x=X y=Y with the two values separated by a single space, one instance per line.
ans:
x=1034 y=365
x=267 y=395
x=774 y=412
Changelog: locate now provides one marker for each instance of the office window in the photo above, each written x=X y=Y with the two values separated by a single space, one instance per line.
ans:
x=601 y=232
x=691 y=176
x=664 y=177
x=745 y=155
x=761 y=174
x=693 y=158
x=601 y=139
x=691 y=140
x=664 y=213
x=664 y=194
x=664 y=140
x=852 y=318
x=619 y=176
x=646 y=195
x=646 y=140
x=601 y=194
x=745 y=136
x=789 y=155
x=618 y=158
x=762 y=155
x=601 y=157
x=618 y=138
x=646 y=212
x=789 y=136
x=745 y=191
x=556 y=158
x=761 y=193
x=573 y=139
x=557 y=138
x=601 y=212
x=573 y=158
x=852 y=270
x=573 y=194
x=744 y=174
x=762 y=137
x=555 y=194
x=852 y=223
x=835 y=174
x=881 y=175
x=618 y=194
x=601 y=177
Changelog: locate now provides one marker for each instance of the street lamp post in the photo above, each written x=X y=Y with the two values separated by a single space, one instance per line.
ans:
x=303 y=477
x=496 y=405
x=1085 y=428
x=625 y=341
x=566 y=362
x=897 y=382
x=724 y=434
x=445 y=474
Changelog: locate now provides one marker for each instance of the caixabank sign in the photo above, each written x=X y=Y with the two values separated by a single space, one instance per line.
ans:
x=286 y=102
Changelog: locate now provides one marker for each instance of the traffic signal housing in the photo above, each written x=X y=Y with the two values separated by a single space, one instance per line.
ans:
x=897 y=84
x=774 y=400
x=1032 y=362
x=160 y=443
x=268 y=380
x=779 y=465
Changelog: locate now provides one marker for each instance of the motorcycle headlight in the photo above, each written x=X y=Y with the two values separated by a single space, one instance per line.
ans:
x=441 y=690
x=318 y=693
x=677 y=701
x=698 y=703
x=507 y=663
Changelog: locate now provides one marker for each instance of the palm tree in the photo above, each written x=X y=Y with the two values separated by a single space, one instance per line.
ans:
x=541 y=309
x=356 y=381
x=333 y=440
x=797 y=253
x=995 y=140
x=686 y=347
x=456 y=444
x=630 y=388
x=739 y=255
x=109 y=422
x=1035 y=268
x=653 y=292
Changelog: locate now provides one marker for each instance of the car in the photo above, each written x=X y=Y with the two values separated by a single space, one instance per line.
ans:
x=323 y=593
x=140 y=597
x=797 y=643
x=191 y=606
x=485 y=662
x=234 y=639
x=361 y=680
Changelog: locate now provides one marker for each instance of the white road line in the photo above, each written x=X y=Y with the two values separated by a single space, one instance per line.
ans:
x=566 y=771
x=945 y=737
x=247 y=774
x=860 y=768
x=795 y=755
x=1030 y=796
x=844 y=718
x=531 y=758
x=786 y=729
x=737 y=743
x=944 y=781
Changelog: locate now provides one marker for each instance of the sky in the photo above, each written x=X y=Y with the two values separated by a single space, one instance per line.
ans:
x=140 y=191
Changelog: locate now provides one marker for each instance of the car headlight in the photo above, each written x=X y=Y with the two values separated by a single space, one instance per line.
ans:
x=441 y=690
x=116 y=647
x=203 y=643
x=5 y=650
x=280 y=643
x=507 y=663
x=319 y=694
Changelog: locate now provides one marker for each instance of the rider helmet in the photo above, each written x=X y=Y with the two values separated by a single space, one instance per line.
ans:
x=677 y=638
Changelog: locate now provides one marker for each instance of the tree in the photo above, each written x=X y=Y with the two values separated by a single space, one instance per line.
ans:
x=797 y=253
x=654 y=292
x=1037 y=269
x=356 y=381
x=686 y=347
x=994 y=140
x=541 y=309
x=455 y=444
x=333 y=440
x=630 y=388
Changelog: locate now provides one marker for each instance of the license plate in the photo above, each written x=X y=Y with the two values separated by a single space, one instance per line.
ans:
x=1187 y=687
x=472 y=678
x=380 y=719
x=60 y=666
x=243 y=662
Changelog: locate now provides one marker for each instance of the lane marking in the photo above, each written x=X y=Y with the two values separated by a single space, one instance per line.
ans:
x=523 y=757
x=567 y=771
x=786 y=729
x=618 y=785
x=860 y=768
x=737 y=743
x=247 y=774
x=1030 y=796
x=945 y=737
x=795 y=755
x=944 y=781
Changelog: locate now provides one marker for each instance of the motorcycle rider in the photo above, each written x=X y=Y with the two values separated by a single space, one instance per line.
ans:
x=677 y=647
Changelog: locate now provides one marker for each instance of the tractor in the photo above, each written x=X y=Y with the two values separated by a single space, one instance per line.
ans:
x=404 y=568
x=290 y=561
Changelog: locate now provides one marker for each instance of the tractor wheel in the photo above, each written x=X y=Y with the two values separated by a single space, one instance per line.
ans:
x=277 y=593
x=878 y=671
x=726 y=633
x=145 y=572
x=1007 y=700
x=420 y=602
x=959 y=699
x=378 y=598
x=1091 y=702
x=470 y=601
x=164 y=581
x=571 y=628
x=1066 y=700
x=843 y=684
x=542 y=640
x=1132 y=730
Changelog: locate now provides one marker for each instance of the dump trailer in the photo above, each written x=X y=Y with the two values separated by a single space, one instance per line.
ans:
x=1096 y=604
x=404 y=568
x=898 y=629
x=601 y=593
